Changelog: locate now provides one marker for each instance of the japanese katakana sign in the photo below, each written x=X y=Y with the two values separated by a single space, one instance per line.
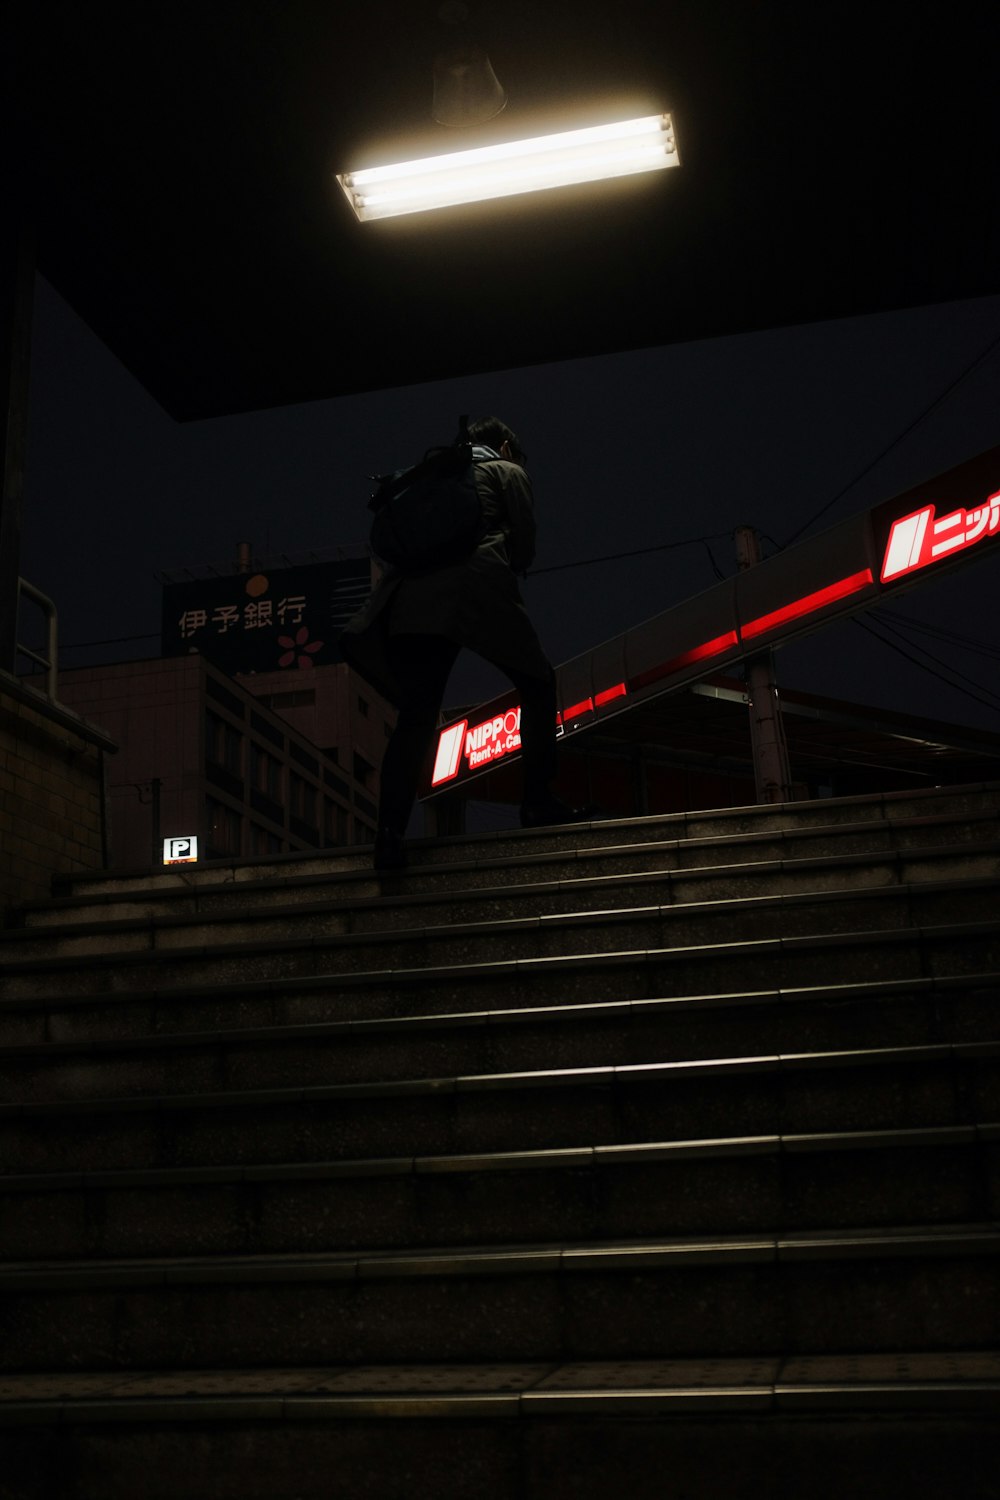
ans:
x=923 y=537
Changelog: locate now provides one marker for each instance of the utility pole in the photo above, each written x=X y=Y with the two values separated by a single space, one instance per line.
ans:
x=771 y=770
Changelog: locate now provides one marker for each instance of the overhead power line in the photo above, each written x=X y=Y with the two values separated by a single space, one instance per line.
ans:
x=940 y=633
x=921 y=417
x=947 y=666
x=588 y=562
x=114 y=640
x=990 y=701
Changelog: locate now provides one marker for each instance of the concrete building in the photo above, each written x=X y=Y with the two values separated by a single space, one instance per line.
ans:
x=260 y=765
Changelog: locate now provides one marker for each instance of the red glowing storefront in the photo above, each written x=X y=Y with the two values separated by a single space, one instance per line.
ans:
x=947 y=521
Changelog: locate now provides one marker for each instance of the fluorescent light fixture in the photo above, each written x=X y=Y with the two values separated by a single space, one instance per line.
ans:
x=546 y=161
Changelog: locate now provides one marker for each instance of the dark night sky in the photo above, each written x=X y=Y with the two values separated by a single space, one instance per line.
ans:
x=626 y=452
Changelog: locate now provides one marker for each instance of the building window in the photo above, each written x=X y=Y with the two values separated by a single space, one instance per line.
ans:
x=363 y=769
x=223 y=744
x=334 y=825
x=301 y=799
x=362 y=707
x=337 y=782
x=267 y=730
x=265 y=773
x=303 y=757
x=221 y=694
x=278 y=701
x=368 y=809
x=263 y=842
x=225 y=826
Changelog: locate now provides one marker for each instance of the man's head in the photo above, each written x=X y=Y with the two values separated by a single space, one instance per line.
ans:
x=498 y=436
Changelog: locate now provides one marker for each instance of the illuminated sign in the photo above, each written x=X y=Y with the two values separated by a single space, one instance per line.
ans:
x=494 y=738
x=922 y=537
x=284 y=619
x=449 y=753
x=180 y=851
x=483 y=745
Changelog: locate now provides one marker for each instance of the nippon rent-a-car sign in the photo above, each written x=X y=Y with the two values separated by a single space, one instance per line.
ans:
x=481 y=745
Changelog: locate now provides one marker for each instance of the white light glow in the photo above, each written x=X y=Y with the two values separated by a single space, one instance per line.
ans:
x=547 y=161
x=182 y=851
x=448 y=752
x=905 y=543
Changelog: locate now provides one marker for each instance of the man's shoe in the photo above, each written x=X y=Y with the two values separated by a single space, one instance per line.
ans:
x=553 y=810
x=389 y=851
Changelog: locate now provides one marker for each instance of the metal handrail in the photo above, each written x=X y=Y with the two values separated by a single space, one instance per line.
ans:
x=50 y=661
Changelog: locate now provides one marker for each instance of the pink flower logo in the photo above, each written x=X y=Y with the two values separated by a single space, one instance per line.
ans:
x=301 y=647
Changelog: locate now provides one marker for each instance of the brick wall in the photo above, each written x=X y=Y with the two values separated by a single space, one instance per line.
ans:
x=50 y=799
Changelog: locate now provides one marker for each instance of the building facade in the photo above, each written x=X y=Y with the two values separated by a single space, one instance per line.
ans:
x=233 y=760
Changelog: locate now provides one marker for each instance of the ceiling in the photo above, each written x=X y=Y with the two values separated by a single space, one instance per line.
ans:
x=176 y=161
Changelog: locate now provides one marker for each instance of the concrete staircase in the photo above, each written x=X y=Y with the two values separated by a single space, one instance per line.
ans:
x=651 y=1157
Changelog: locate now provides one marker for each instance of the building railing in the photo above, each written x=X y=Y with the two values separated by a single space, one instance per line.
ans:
x=49 y=662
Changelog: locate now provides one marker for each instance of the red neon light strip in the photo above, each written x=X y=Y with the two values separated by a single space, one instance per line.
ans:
x=447 y=764
x=808 y=604
x=686 y=659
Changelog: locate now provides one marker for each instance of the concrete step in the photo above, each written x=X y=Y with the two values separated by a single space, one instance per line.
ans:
x=230 y=916
x=955 y=840
x=962 y=1008
x=897 y=1423
x=905 y=1288
x=734 y=1185
x=318 y=1130
x=936 y=1084
x=978 y=804
x=96 y=1001
x=87 y=964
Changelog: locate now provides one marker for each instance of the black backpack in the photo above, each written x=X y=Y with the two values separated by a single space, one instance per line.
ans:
x=430 y=514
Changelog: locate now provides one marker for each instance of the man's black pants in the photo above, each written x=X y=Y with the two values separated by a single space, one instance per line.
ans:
x=421 y=665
